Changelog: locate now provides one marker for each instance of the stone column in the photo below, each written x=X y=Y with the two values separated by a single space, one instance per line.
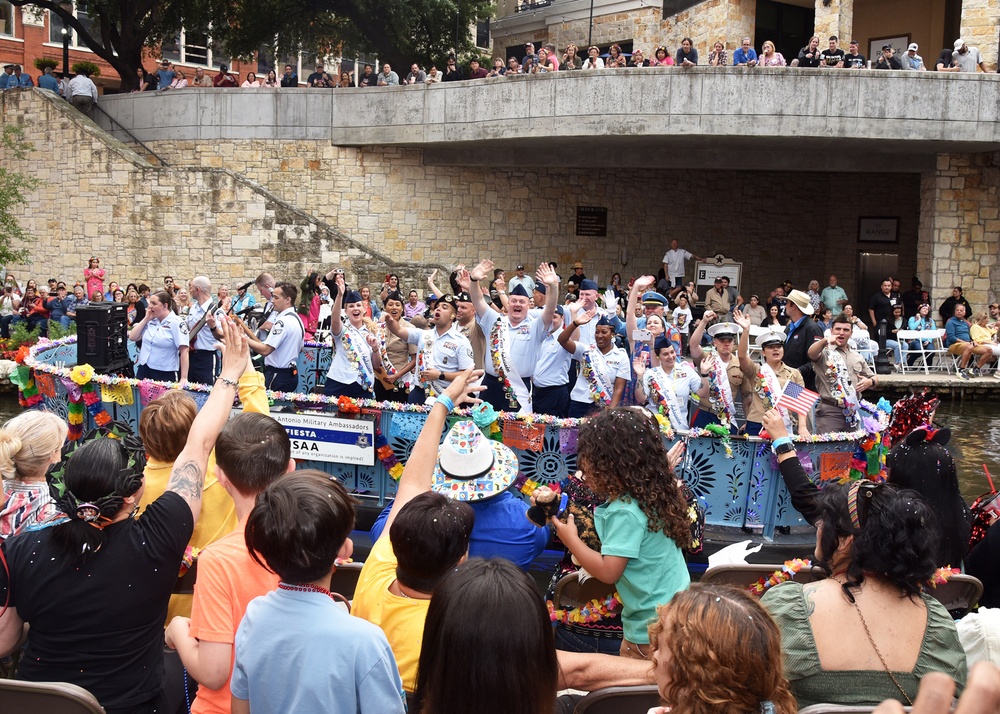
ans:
x=834 y=17
x=958 y=240
x=979 y=29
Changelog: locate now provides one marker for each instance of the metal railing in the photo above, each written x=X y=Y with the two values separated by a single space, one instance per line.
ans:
x=116 y=123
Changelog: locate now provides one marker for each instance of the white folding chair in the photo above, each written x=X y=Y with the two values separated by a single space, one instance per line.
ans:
x=924 y=344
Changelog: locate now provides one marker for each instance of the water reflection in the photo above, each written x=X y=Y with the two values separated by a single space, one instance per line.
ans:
x=975 y=439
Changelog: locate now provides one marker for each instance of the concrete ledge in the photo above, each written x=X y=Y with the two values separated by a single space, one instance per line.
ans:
x=897 y=113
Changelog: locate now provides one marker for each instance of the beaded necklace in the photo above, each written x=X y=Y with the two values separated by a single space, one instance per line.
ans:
x=307 y=588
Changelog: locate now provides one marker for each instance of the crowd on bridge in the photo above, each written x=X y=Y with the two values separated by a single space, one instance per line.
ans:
x=443 y=595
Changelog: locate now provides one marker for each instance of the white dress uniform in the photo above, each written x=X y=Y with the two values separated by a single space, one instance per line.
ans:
x=161 y=340
x=343 y=372
x=451 y=351
x=683 y=379
x=202 y=358
x=287 y=337
x=617 y=364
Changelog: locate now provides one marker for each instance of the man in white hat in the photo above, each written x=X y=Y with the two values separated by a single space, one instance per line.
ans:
x=842 y=374
x=911 y=60
x=768 y=380
x=721 y=393
x=967 y=58
x=801 y=331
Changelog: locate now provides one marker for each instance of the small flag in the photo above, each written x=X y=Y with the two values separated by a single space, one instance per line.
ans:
x=797 y=399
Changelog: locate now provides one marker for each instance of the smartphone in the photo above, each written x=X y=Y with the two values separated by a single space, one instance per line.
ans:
x=641 y=335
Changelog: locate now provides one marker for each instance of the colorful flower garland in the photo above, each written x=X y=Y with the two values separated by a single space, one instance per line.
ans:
x=720 y=399
x=499 y=355
x=593 y=611
x=600 y=393
x=355 y=357
x=840 y=386
x=784 y=573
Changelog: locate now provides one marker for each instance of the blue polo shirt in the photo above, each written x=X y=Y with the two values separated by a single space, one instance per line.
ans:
x=501 y=530
x=741 y=57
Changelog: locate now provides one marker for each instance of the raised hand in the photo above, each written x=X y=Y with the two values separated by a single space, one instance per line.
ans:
x=585 y=317
x=644 y=283
x=639 y=366
x=338 y=280
x=742 y=320
x=372 y=341
x=709 y=315
x=484 y=268
x=546 y=274
x=459 y=390
x=463 y=278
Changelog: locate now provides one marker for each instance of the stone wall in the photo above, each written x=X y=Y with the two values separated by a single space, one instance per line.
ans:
x=781 y=225
x=100 y=198
x=959 y=224
x=834 y=17
x=979 y=29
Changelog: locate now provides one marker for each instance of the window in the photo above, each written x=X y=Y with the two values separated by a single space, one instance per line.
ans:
x=483 y=33
x=193 y=47
x=6 y=19
x=672 y=7
x=56 y=25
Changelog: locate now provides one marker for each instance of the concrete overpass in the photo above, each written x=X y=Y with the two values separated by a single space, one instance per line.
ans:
x=704 y=117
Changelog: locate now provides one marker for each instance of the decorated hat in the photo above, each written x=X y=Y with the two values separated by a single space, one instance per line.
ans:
x=540 y=287
x=448 y=299
x=662 y=343
x=463 y=297
x=801 y=301
x=604 y=322
x=725 y=329
x=519 y=291
x=588 y=284
x=352 y=296
x=560 y=310
x=770 y=337
x=653 y=298
x=471 y=467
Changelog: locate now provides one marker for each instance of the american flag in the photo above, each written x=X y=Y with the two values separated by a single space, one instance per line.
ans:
x=797 y=399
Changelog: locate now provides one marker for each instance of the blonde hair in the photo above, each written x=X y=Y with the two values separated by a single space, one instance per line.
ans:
x=27 y=443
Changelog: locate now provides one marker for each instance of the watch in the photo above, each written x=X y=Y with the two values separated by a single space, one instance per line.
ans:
x=783 y=448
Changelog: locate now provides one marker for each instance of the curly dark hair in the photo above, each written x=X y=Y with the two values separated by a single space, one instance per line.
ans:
x=622 y=455
x=896 y=542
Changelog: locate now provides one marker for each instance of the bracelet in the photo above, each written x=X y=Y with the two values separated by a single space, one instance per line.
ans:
x=445 y=400
x=780 y=441
x=228 y=382
x=474 y=280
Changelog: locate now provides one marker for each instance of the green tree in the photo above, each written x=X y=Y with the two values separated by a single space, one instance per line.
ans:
x=398 y=31
x=120 y=32
x=13 y=186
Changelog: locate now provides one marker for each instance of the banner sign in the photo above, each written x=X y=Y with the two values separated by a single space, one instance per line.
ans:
x=317 y=437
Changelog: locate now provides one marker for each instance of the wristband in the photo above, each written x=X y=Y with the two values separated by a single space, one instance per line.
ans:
x=781 y=440
x=228 y=382
x=781 y=445
x=445 y=400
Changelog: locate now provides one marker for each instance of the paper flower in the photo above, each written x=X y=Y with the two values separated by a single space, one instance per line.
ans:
x=82 y=374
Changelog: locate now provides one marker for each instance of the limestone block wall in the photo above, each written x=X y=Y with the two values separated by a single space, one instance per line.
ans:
x=959 y=225
x=834 y=17
x=781 y=225
x=979 y=29
x=100 y=198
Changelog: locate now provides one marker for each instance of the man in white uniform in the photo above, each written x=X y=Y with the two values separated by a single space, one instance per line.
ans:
x=201 y=328
x=283 y=343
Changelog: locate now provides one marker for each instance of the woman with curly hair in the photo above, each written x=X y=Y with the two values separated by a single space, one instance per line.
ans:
x=644 y=524
x=716 y=651
x=869 y=631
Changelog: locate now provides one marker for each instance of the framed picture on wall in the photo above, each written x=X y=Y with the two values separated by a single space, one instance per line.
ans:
x=899 y=44
x=878 y=229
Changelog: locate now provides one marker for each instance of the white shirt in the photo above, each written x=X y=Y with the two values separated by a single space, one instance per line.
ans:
x=161 y=340
x=683 y=379
x=617 y=364
x=682 y=319
x=450 y=352
x=552 y=367
x=204 y=340
x=969 y=62
x=675 y=262
x=341 y=369
x=82 y=85
x=286 y=337
x=266 y=316
x=523 y=338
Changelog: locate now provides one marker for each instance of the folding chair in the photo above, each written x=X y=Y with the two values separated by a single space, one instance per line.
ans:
x=48 y=697
x=943 y=360
x=743 y=575
x=619 y=700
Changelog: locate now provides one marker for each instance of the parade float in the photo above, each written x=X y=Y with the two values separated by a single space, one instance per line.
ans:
x=364 y=443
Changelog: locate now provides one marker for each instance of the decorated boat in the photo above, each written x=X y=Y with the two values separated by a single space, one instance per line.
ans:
x=364 y=443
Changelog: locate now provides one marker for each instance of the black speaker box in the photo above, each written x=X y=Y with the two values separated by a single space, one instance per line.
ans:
x=102 y=336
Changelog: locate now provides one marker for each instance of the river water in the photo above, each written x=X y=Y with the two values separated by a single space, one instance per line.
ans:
x=975 y=439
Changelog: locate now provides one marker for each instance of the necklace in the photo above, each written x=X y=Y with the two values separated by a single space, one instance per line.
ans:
x=308 y=588
x=880 y=657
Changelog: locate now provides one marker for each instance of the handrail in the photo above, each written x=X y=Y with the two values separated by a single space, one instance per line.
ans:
x=130 y=135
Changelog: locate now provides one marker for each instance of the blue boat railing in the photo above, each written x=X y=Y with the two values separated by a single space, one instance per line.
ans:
x=743 y=490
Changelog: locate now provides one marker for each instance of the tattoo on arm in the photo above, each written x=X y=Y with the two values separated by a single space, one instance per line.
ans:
x=807 y=593
x=187 y=481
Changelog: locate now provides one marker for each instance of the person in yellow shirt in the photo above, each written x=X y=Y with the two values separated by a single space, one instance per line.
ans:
x=984 y=337
x=425 y=536
x=163 y=427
